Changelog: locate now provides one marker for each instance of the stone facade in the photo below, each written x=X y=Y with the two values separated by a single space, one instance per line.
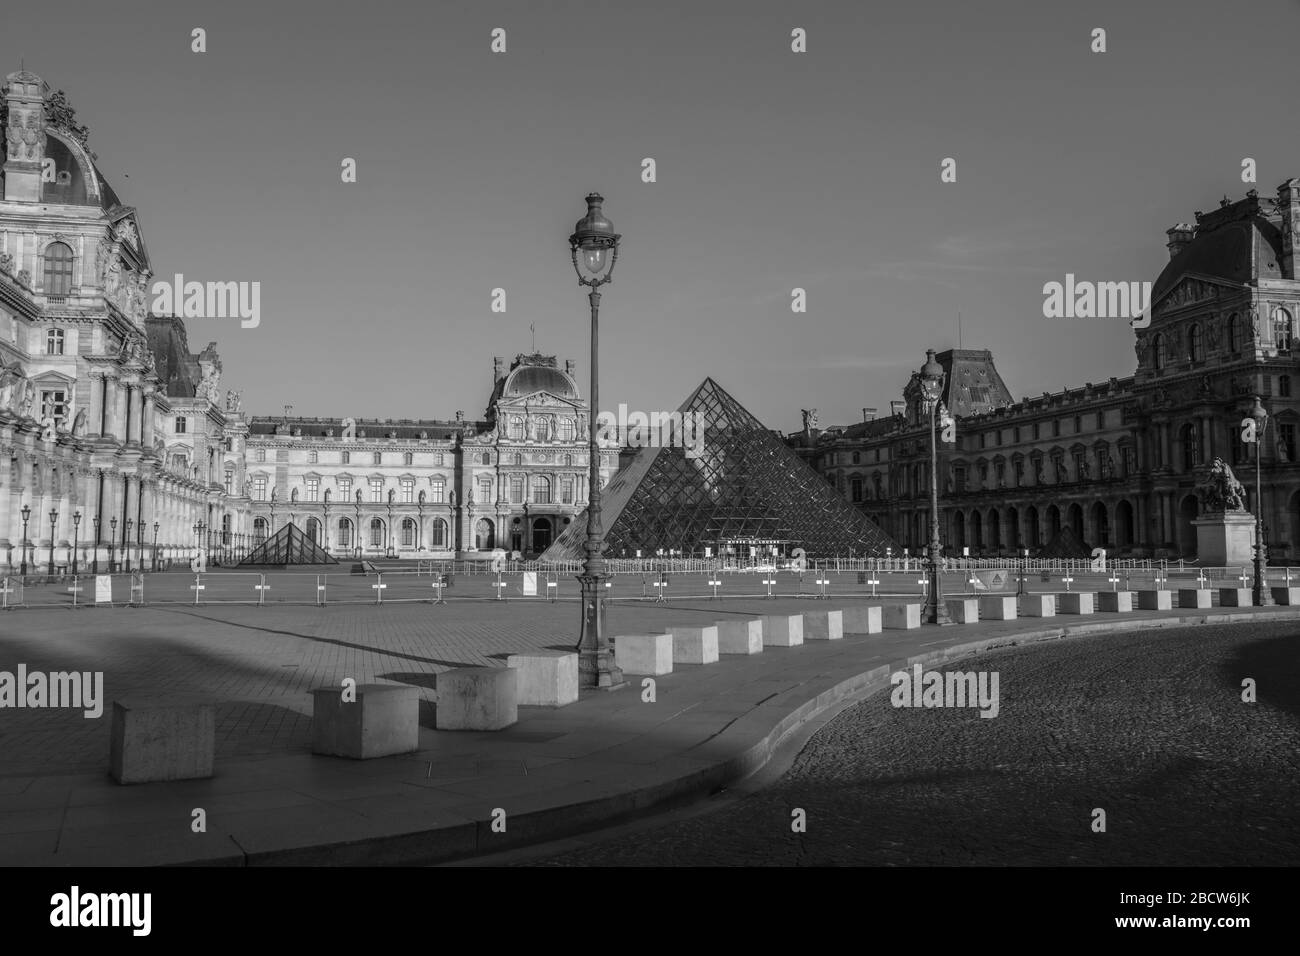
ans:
x=1119 y=462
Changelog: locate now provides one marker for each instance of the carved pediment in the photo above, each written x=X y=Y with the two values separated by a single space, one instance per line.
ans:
x=537 y=400
x=1190 y=291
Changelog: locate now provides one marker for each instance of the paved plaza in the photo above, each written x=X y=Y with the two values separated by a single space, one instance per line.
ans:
x=610 y=756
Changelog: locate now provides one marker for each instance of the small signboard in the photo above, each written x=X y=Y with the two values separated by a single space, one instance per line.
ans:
x=530 y=584
x=103 y=589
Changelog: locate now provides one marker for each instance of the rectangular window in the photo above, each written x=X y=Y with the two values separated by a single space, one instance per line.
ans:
x=230 y=482
x=1035 y=431
x=379 y=458
x=346 y=458
x=485 y=490
x=1287 y=434
x=1056 y=428
x=1015 y=435
x=313 y=489
x=54 y=404
x=261 y=454
x=1130 y=462
x=1101 y=419
x=408 y=458
x=376 y=489
x=345 y=488
x=313 y=457
x=983 y=440
x=437 y=491
x=54 y=342
x=517 y=488
x=182 y=424
x=566 y=489
x=259 y=488
x=855 y=489
x=998 y=436
x=408 y=490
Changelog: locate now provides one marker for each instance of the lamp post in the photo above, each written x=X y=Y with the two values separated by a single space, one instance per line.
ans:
x=1263 y=597
x=936 y=610
x=76 y=524
x=54 y=518
x=596 y=242
x=155 y=545
x=389 y=551
x=419 y=507
x=126 y=543
x=26 y=513
x=112 y=542
x=327 y=520
x=95 y=567
x=356 y=550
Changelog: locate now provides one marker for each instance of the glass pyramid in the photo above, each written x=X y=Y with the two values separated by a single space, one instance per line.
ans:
x=745 y=489
x=289 y=545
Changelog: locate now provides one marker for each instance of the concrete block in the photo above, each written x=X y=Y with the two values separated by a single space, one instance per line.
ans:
x=1038 y=605
x=383 y=720
x=477 y=698
x=823 y=625
x=740 y=636
x=695 y=645
x=1236 y=597
x=1155 y=600
x=863 y=619
x=1076 y=602
x=162 y=739
x=1115 y=601
x=998 y=607
x=902 y=617
x=1193 y=597
x=1286 y=596
x=643 y=654
x=964 y=610
x=782 y=630
x=546 y=678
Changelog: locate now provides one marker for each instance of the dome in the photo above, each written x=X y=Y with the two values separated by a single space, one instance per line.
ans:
x=527 y=379
x=1232 y=251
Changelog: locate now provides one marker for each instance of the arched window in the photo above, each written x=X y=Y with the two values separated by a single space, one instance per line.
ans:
x=541 y=490
x=566 y=429
x=1234 y=333
x=487 y=458
x=345 y=532
x=857 y=458
x=1191 y=446
x=517 y=488
x=438 y=490
x=54 y=342
x=1158 y=351
x=515 y=428
x=225 y=530
x=376 y=532
x=58 y=269
x=438 y=533
x=408 y=458
x=408 y=533
x=1282 y=331
x=259 y=530
x=519 y=459
x=568 y=461
x=1195 y=350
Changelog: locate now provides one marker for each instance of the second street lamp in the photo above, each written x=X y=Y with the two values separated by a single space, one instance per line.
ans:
x=54 y=519
x=155 y=545
x=76 y=524
x=112 y=542
x=594 y=249
x=931 y=392
x=26 y=513
x=1263 y=596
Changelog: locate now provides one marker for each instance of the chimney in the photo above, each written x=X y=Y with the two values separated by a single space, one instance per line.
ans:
x=569 y=367
x=868 y=414
x=1288 y=200
x=498 y=368
x=1179 y=236
x=897 y=406
x=24 y=136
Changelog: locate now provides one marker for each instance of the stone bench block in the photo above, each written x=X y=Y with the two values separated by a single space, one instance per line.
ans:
x=643 y=654
x=477 y=698
x=1076 y=602
x=782 y=630
x=964 y=610
x=863 y=619
x=1286 y=596
x=546 y=678
x=1193 y=597
x=823 y=625
x=998 y=607
x=902 y=617
x=695 y=645
x=1115 y=601
x=740 y=637
x=1236 y=597
x=1038 y=605
x=1155 y=600
x=162 y=739
x=383 y=720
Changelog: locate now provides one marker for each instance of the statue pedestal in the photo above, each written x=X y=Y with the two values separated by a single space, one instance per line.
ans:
x=1226 y=539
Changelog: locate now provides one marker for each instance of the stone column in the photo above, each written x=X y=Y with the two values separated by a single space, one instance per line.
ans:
x=95 y=415
x=147 y=418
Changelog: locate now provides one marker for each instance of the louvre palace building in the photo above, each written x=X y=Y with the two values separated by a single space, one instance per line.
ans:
x=119 y=441
x=1115 y=463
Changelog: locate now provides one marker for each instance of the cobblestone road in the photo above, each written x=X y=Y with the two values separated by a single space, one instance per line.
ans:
x=1149 y=727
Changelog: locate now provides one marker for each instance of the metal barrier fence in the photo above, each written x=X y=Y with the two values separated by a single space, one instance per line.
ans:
x=407 y=586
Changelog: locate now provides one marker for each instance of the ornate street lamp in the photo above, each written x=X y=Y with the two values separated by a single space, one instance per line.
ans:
x=357 y=531
x=126 y=543
x=327 y=520
x=54 y=519
x=936 y=610
x=26 y=513
x=112 y=542
x=389 y=552
x=76 y=523
x=594 y=248
x=155 y=545
x=95 y=568
x=419 y=507
x=1263 y=596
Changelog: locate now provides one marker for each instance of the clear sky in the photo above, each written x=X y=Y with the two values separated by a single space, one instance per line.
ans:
x=775 y=170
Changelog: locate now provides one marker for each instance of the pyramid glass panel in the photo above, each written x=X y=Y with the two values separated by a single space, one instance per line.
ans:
x=289 y=545
x=746 y=488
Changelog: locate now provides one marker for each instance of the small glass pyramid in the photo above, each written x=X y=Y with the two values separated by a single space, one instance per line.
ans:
x=289 y=545
x=745 y=488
